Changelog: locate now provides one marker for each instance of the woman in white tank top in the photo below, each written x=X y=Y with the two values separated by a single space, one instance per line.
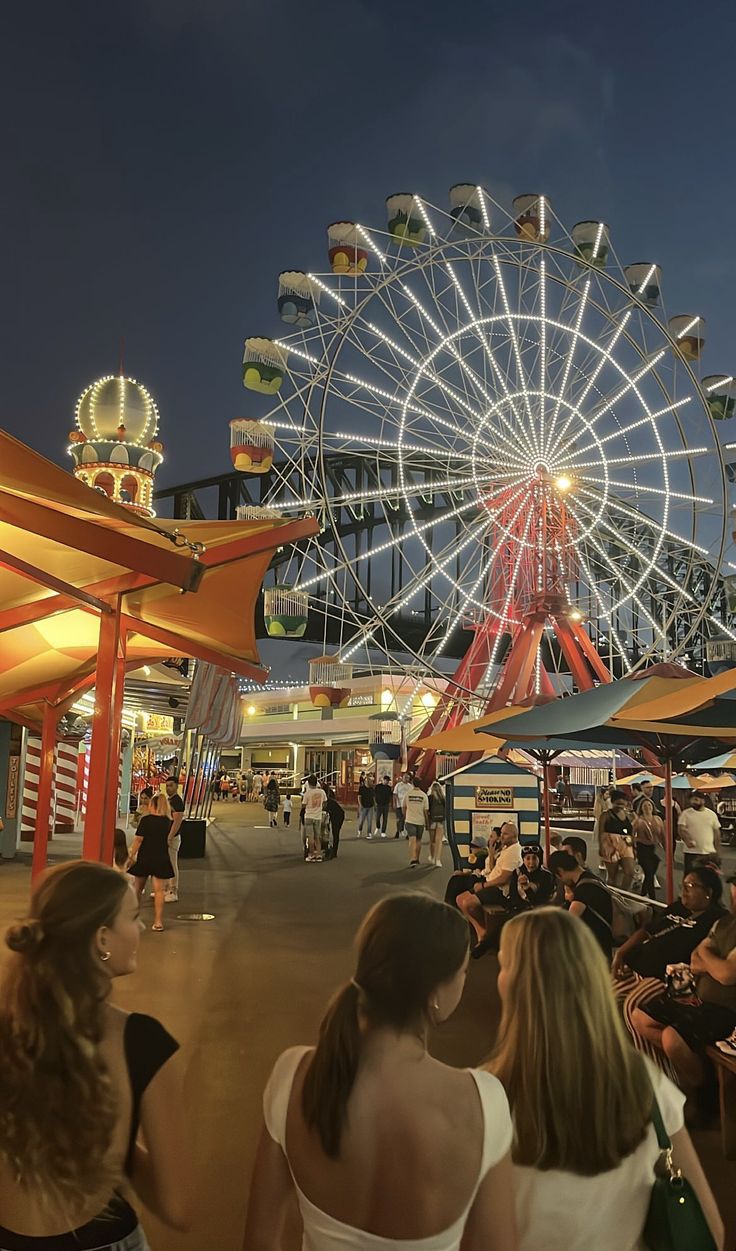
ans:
x=585 y=1148
x=381 y=1145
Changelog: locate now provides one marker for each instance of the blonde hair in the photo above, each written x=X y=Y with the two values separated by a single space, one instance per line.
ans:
x=580 y=1096
x=160 y=806
x=57 y=1105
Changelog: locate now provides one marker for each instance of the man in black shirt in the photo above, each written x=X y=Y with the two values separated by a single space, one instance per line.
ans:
x=590 y=899
x=383 y=792
x=647 y=792
x=176 y=804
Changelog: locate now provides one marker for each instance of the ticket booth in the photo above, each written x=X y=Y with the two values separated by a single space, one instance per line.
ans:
x=483 y=795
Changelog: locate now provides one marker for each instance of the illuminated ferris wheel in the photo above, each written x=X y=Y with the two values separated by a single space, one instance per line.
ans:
x=528 y=426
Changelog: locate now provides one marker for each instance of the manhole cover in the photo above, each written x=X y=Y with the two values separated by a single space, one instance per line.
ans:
x=195 y=916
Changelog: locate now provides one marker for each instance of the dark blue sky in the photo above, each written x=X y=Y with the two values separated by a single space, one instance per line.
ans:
x=164 y=159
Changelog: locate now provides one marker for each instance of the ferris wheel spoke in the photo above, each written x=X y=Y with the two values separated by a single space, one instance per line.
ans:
x=622 y=431
x=619 y=576
x=418 y=582
x=473 y=376
x=398 y=539
x=605 y=356
x=642 y=518
x=606 y=613
x=504 y=615
x=560 y=393
x=637 y=487
x=468 y=597
x=517 y=353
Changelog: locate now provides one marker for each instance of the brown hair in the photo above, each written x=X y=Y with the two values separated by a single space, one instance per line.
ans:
x=580 y=1096
x=57 y=1106
x=407 y=946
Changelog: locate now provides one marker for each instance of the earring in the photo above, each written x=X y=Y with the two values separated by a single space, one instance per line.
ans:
x=104 y=956
x=436 y=1005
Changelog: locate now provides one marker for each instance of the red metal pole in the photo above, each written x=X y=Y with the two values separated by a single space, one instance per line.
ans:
x=669 y=848
x=111 y=799
x=45 y=781
x=102 y=730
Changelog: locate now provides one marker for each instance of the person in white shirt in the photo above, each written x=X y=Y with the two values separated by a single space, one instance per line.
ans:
x=495 y=886
x=314 y=802
x=358 y=1131
x=700 y=830
x=401 y=790
x=585 y=1146
x=416 y=820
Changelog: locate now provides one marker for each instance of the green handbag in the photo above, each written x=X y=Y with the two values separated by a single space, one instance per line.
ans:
x=675 y=1220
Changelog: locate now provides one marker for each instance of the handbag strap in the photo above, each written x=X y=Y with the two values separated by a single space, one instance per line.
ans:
x=663 y=1137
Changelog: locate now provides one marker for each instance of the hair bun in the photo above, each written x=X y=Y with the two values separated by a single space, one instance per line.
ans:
x=25 y=936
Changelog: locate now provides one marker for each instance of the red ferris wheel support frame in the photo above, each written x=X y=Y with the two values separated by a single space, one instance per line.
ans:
x=530 y=569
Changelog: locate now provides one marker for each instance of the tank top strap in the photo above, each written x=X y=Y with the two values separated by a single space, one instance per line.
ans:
x=497 y=1124
x=277 y=1094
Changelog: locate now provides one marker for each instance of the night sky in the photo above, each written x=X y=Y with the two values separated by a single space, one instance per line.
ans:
x=164 y=159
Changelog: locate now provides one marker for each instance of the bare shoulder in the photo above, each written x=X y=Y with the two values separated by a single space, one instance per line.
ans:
x=115 y=1020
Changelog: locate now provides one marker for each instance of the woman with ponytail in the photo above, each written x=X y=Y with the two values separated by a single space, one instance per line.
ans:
x=375 y=1138
x=79 y=1076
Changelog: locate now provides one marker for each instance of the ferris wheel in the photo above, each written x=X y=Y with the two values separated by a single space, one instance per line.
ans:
x=522 y=432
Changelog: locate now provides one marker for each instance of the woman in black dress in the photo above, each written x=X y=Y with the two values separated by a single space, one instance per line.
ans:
x=149 y=855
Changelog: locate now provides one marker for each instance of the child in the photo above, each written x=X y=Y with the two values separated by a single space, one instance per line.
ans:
x=120 y=851
x=287 y=809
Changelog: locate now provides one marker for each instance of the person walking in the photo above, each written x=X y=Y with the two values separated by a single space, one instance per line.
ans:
x=80 y=1078
x=383 y=795
x=314 y=802
x=271 y=800
x=416 y=821
x=287 y=806
x=436 y=799
x=150 y=855
x=341 y=1121
x=224 y=786
x=617 y=841
x=585 y=1146
x=401 y=790
x=649 y=833
x=700 y=830
x=176 y=806
x=366 y=807
x=336 y=816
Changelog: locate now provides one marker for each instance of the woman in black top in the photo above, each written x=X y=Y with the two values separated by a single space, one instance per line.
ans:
x=78 y=1077
x=271 y=801
x=149 y=855
x=640 y=964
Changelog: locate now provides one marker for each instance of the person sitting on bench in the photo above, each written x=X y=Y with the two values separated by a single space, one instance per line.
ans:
x=494 y=890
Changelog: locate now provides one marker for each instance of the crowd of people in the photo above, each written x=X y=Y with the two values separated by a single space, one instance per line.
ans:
x=631 y=833
x=554 y=1142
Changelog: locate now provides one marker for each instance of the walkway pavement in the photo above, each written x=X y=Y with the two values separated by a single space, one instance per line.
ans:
x=239 y=989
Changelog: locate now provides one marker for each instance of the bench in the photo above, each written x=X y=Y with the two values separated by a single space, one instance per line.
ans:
x=725 y=1067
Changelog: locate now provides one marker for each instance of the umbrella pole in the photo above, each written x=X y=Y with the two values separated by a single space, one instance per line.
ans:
x=669 y=848
x=547 y=838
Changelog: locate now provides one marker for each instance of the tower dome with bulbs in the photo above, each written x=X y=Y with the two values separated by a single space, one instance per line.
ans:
x=115 y=446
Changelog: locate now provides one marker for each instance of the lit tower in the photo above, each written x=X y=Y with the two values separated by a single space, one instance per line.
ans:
x=114 y=446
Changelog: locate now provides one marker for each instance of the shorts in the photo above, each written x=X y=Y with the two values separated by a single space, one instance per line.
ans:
x=491 y=897
x=414 y=831
x=313 y=825
x=698 y=1024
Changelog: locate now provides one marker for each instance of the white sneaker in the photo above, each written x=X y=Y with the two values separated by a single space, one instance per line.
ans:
x=437 y=864
x=171 y=898
x=383 y=836
x=369 y=837
x=430 y=860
